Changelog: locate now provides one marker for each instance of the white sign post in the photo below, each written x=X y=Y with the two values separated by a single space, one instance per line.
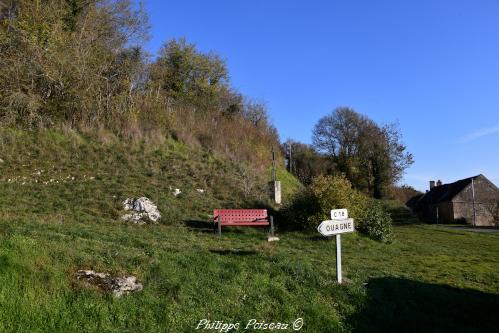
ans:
x=339 y=224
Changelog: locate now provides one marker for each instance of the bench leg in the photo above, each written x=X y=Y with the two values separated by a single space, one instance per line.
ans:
x=272 y=226
x=219 y=227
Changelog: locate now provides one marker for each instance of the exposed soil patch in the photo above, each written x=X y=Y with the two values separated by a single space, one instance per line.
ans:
x=119 y=286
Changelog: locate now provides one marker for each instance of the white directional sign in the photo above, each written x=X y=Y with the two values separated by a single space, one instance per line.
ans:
x=339 y=224
x=339 y=214
x=336 y=227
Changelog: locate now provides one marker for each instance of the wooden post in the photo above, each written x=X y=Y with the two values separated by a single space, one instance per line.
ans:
x=219 y=226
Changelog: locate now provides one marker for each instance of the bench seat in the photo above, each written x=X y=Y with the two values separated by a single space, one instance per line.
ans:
x=242 y=217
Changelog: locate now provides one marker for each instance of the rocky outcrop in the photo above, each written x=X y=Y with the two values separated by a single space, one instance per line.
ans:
x=119 y=286
x=143 y=211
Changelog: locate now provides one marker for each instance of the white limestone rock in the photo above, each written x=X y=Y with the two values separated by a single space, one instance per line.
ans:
x=137 y=218
x=125 y=285
x=144 y=209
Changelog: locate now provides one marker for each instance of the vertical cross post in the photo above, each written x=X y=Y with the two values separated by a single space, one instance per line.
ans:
x=219 y=226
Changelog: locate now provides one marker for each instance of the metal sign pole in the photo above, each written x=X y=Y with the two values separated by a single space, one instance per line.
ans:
x=339 y=224
x=338 y=258
x=273 y=165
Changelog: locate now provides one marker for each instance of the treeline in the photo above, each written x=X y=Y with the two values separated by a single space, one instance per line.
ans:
x=81 y=63
x=372 y=157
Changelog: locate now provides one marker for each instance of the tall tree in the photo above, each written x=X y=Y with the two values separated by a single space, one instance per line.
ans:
x=189 y=76
x=371 y=157
x=304 y=162
x=58 y=60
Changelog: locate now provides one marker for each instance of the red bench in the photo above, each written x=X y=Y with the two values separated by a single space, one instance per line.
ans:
x=242 y=217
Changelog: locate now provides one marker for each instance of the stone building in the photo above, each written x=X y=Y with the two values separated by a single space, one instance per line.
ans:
x=471 y=200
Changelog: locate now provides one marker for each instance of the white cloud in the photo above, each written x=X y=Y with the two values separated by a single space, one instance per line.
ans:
x=479 y=133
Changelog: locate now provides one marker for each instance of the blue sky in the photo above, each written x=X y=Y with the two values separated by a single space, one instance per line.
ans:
x=431 y=66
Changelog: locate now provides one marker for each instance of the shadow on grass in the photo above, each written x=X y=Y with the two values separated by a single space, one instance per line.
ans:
x=399 y=305
x=233 y=252
x=209 y=227
x=483 y=229
x=200 y=226
x=319 y=238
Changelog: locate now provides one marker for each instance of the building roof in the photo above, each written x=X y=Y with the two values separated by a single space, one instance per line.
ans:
x=442 y=193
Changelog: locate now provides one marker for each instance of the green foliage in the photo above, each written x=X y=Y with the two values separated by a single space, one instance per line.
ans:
x=58 y=63
x=189 y=76
x=403 y=193
x=306 y=163
x=333 y=192
x=372 y=157
x=313 y=205
x=80 y=64
x=377 y=223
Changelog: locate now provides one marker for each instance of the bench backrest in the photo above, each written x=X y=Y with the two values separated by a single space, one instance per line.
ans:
x=241 y=215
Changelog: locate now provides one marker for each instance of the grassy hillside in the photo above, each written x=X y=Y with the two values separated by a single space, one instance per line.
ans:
x=429 y=279
x=71 y=177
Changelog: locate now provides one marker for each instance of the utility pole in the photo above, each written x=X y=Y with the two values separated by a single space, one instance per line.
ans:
x=275 y=185
x=273 y=165
x=290 y=158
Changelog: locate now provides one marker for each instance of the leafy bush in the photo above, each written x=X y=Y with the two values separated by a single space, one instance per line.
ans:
x=377 y=224
x=314 y=204
x=333 y=192
x=295 y=214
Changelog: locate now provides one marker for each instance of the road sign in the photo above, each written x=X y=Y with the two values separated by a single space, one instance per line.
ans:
x=336 y=227
x=339 y=214
x=339 y=224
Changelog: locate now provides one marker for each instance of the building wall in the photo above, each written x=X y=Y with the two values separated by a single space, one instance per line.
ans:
x=445 y=212
x=463 y=213
x=438 y=213
x=486 y=194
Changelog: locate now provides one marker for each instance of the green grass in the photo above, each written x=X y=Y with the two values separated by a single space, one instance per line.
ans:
x=190 y=274
x=429 y=279
x=78 y=177
x=289 y=184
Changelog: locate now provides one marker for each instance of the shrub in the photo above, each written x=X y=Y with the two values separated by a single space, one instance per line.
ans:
x=332 y=192
x=314 y=204
x=295 y=214
x=377 y=224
